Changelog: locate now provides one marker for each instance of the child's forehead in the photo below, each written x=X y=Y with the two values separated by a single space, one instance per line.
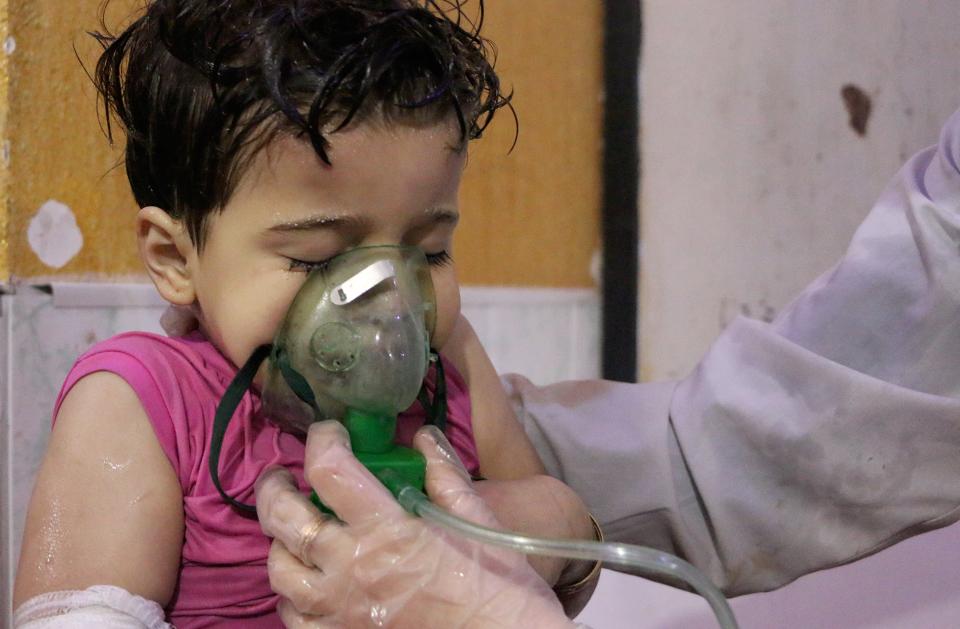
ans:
x=362 y=155
x=369 y=138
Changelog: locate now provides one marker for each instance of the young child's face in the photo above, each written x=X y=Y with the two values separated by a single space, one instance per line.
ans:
x=389 y=184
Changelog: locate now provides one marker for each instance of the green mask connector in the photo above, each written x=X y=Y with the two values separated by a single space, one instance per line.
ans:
x=372 y=440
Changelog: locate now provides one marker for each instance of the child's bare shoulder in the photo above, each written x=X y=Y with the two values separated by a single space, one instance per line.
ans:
x=107 y=506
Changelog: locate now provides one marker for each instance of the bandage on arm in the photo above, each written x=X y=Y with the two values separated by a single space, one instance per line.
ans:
x=107 y=505
x=97 y=607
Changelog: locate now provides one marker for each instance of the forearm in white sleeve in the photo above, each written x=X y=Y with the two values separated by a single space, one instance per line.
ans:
x=613 y=443
x=802 y=444
x=97 y=607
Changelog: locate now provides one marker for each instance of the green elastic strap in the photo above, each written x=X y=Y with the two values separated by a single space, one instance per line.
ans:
x=436 y=410
x=225 y=410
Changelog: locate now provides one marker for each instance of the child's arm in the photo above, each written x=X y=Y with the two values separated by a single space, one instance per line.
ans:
x=520 y=494
x=107 y=507
x=503 y=448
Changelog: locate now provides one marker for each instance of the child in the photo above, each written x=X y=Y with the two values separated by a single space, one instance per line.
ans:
x=263 y=138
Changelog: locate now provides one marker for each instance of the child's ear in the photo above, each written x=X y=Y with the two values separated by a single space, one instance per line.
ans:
x=166 y=250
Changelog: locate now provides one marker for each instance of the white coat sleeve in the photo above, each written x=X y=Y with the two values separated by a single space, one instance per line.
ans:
x=802 y=444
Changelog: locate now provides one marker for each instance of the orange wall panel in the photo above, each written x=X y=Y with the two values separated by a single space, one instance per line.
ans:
x=57 y=150
x=530 y=217
x=4 y=151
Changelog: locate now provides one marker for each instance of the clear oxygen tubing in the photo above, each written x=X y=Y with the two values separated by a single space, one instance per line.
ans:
x=648 y=559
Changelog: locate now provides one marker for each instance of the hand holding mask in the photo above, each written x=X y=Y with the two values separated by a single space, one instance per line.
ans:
x=380 y=566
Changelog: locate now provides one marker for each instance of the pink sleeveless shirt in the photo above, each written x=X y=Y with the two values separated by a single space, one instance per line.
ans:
x=223 y=575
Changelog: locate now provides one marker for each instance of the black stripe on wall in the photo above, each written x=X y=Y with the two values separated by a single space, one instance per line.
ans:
x=621 y=173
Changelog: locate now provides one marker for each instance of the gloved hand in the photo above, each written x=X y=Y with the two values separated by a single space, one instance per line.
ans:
x=380 y=566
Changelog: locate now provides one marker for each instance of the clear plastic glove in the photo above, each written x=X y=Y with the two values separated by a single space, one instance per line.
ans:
x=380 y=566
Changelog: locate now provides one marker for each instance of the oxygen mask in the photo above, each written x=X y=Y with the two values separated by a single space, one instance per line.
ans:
x=354 y=346
x=357 y=336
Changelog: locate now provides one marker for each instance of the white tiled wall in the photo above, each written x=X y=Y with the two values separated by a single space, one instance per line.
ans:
x=6 y=513
x=547 y=335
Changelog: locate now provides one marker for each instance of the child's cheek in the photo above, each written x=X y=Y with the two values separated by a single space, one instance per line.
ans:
x=263 y=317
x=275 y=316
x=447 y=292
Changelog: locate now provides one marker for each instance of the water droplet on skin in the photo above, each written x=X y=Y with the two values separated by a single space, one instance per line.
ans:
x=378 y=615
x=138 y=499
x=116 y=467
x=51 y=534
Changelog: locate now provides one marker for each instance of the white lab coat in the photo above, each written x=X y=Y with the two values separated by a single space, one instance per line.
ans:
x=806 y=443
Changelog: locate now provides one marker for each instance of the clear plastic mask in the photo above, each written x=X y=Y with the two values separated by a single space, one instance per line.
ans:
x=357 y=336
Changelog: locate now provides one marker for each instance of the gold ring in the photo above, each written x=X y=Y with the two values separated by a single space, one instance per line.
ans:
x=308 y=533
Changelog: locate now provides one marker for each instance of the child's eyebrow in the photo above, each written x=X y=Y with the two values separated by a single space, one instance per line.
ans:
x=321 y=221
x=443 y=215
x=324 y=221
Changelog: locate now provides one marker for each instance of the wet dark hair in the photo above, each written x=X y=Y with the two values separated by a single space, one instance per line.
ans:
x=199 y=86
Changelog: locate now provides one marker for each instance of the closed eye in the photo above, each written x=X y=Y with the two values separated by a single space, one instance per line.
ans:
x=306 y=266
x=441 y=258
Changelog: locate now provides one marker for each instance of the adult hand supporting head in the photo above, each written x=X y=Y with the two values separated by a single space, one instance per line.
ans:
x=380 y=566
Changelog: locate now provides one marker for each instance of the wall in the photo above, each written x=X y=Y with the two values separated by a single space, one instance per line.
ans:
x=4 y=154
x=753 y=177
x=58 y=152
x=531 y=216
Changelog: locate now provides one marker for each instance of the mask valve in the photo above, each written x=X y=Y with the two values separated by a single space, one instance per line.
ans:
x=335 y=346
